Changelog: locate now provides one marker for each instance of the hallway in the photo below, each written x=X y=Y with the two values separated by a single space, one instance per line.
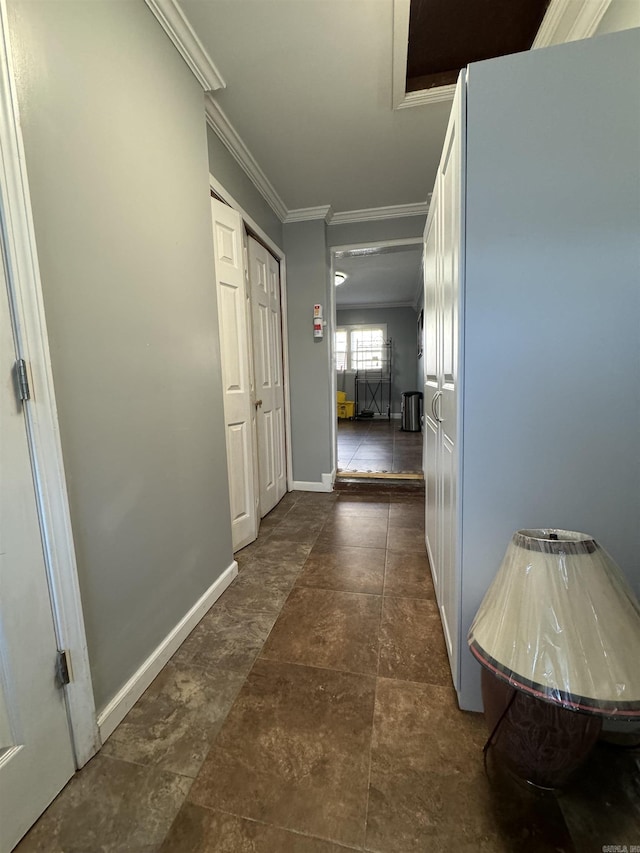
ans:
x=377 y=445
x=311 y=711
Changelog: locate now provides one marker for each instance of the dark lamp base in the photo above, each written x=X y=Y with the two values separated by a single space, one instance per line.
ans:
x=538 y=741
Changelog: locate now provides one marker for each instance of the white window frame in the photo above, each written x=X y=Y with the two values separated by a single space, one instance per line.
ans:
x=356 y=327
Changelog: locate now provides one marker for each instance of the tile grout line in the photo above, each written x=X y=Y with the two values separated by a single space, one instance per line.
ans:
x=375 y=702
x=342 y=844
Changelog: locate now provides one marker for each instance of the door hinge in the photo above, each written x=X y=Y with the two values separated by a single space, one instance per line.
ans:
x=22 y=376
x=63 y=670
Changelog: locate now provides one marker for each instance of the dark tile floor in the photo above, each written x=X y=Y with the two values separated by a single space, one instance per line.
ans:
x=378 y=445
x=311 y=711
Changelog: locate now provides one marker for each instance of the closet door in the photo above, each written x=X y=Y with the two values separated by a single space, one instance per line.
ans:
x=236 y=385
x=264 y=275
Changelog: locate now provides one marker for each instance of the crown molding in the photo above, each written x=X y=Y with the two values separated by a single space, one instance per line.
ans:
x=577 y=19
x=220 y=124
x=426 y=96
x=401 y=99
x=370 y=214
x=172 y=20
x=303 y=214
x=587 y=19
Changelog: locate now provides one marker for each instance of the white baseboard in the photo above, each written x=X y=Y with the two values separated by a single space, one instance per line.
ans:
x=326 y=485
x=113 y=714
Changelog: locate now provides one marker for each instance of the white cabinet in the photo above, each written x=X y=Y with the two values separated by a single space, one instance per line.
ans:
x=532 y=311
x=442 y=242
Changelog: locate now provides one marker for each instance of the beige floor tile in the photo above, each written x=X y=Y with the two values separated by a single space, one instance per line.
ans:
x=200 y=830
x=363 y=532
x=407 y=575
x=346 y=569
x=294 y=752
x=411 y=642
x=327 y=628
x=110 y=806
x=175 y=721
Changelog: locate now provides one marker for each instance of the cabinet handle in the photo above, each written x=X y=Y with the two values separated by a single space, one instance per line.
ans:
x=435 y=399
x=433 y=405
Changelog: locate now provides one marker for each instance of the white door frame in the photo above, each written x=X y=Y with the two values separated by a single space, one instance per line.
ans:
x=277 y=252
x=333 y=322
x=25 y=295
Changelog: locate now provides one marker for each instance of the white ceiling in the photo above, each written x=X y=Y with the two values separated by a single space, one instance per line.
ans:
x=309 y=90
x=388 y=277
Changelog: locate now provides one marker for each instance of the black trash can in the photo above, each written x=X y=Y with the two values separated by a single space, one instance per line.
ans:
x=411 y=410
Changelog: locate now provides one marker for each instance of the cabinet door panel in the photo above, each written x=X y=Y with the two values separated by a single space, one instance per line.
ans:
x=450 y=590
x=431 y=474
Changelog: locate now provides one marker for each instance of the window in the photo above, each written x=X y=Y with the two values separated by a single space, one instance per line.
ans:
x=341 y=349
x=360 y=347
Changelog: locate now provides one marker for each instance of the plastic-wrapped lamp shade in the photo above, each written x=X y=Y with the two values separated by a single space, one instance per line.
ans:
x=560 y=622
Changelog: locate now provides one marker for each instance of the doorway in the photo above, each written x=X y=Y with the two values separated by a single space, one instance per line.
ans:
x=378 y=304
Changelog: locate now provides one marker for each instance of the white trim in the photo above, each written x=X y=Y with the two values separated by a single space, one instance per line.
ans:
x=303 y=214
x=25 y=290
x=400 y=47
x=285 y=370
x=220 y=124
x=173 y=21
x=435 y=95
x=333 y=375
x=550 y=23
x=218 y=188
x=587 y=19
x=400 y=98
x=313 y=486
x=117 y=709
x=368 y=306
x=578 y=19
x=370 y=214
x=348 y=248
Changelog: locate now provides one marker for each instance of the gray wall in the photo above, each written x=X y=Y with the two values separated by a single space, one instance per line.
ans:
x=117 y=161
x=226 y=169
x=402 y=329
x=309 y=367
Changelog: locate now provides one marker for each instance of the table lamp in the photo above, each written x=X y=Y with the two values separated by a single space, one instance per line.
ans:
x=558 y=637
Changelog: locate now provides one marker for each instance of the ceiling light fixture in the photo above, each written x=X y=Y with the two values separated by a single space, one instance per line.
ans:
x=340 y=278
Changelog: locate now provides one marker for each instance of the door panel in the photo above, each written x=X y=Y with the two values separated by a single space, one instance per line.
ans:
x=236 y=380
x=264 y=274
x=36 y=757
x=431 y=474
x=449 y=599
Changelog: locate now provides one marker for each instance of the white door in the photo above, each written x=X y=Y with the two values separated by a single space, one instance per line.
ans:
x=36 y=755
x=234 y=351
x=264 y=274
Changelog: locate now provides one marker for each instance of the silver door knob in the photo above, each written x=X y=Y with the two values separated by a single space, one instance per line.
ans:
x=257 y=404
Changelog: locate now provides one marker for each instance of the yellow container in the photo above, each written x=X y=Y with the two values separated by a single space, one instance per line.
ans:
x=341 y=396
x=346 y=409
